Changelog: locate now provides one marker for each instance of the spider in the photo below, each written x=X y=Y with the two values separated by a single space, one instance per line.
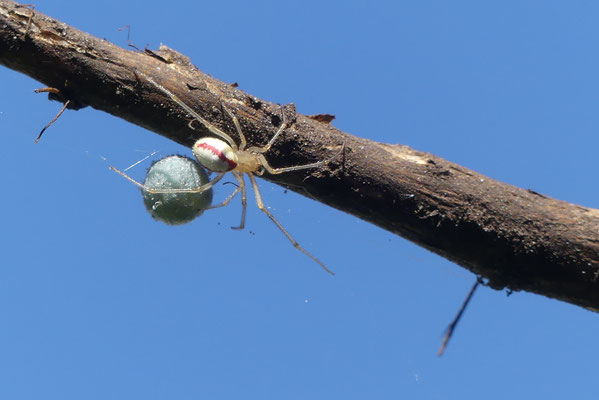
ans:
x=223 y=155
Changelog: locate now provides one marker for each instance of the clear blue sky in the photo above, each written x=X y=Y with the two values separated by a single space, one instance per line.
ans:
x=98 y=301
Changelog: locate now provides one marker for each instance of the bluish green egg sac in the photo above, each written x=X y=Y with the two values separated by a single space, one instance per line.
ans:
x=176 y=172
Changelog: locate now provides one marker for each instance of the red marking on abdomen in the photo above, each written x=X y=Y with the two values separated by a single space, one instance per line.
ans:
x=219 y=154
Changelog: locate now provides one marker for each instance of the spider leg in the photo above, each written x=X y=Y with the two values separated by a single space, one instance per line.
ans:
x=199 y=189
x=242 y=141
x=239 y=177
x=227 y=200
x=278 y=224
x=213 y=129
x=264 y=149
x=276 y=171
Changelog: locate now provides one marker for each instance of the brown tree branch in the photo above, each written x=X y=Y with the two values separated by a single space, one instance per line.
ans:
x=513 y=237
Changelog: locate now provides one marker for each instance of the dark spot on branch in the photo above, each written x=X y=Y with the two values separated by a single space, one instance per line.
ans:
x=253 y=102
x=324 y=118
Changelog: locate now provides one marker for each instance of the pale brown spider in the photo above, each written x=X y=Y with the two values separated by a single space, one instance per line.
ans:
x=224 y=155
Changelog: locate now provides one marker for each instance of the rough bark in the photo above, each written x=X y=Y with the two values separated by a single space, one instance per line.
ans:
x=513 y=237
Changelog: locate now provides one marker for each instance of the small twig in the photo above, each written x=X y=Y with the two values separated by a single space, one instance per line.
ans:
x=129 y=42
x=64 y=107
x=47 y=90
x=454 y=323
x=128 y=27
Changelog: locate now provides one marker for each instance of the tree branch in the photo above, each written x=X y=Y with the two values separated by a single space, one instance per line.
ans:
x=513 y=237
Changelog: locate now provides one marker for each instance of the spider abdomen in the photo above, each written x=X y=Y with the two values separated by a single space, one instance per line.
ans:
x=215 y=155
